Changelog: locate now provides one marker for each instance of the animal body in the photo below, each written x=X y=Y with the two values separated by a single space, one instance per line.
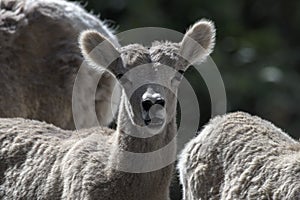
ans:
x=40 y=60
x=239 y=156
x=41 y=161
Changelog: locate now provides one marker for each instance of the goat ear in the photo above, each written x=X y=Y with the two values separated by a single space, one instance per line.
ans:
x=198 y=42
x=98 y=50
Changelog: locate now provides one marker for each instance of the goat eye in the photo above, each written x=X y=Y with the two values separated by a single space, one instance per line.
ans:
x=179 y=75
x=119 y=76
x=181 y=72
x=125 y=81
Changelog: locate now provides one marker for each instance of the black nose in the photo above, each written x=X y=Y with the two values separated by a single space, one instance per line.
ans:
x=160 y=102
x=147 y=104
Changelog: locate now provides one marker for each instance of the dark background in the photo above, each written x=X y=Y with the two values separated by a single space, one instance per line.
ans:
x=257 y=49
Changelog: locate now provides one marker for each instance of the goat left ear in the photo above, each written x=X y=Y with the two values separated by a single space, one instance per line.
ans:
x=198 y=42
x=99 y=51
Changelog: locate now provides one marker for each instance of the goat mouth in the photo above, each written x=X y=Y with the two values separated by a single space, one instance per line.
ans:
x=155 y=121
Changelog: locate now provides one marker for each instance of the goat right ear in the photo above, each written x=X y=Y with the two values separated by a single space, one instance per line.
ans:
x=198 y=42
x=98 y=50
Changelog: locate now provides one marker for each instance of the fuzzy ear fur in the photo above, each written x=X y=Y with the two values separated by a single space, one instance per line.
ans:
x=97 y=49
x=198 y=42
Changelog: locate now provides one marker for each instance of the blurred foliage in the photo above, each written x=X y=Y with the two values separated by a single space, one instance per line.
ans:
x=257 y=49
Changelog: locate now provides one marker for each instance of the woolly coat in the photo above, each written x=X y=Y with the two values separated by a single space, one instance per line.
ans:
x=40 y=59
x=239 y=156
x=41 y=161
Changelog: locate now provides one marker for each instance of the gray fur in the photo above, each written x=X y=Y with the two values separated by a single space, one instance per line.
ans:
x=40 y=161
x=40 y=59
x=239 y=156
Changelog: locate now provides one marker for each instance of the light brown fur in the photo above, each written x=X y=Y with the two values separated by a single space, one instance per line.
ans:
x=40 y=161
x=40 y=59
x=239 y=156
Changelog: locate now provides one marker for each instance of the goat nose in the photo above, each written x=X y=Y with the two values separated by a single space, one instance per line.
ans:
x=160 y=102
x=148 y=103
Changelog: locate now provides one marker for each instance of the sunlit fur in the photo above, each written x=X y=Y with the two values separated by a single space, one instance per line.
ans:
x=239 y=156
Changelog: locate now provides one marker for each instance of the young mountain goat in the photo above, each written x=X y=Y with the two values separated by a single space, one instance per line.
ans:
x=40 y=161
x=239 y=156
